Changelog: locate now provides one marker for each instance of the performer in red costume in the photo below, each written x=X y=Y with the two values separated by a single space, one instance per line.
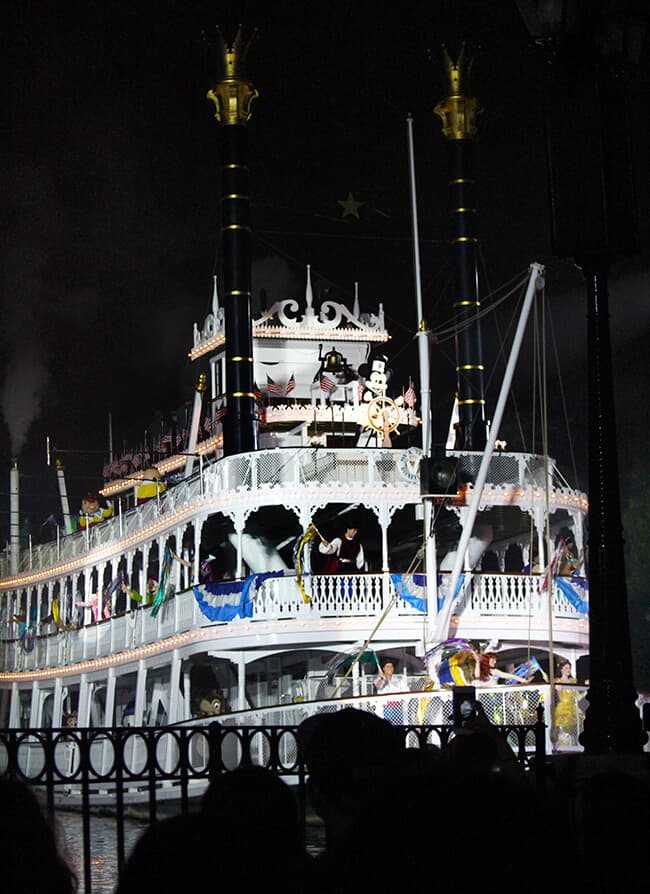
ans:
x=346 y=552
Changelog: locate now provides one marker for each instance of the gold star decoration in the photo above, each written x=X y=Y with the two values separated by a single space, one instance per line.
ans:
x=350 y=206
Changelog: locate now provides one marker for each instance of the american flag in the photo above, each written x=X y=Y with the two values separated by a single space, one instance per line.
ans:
x=409 y=396
x=257 y=392
x=291 y=384
x=555 y=561
x=328 y=385
x=273 y=387
x=219 y=413
x=207 y=424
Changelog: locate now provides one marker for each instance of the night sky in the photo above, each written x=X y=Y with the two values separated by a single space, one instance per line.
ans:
x=110 y=185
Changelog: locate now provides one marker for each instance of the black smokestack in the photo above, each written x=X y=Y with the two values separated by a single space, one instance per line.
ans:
x=458 y=113
x=232 y=97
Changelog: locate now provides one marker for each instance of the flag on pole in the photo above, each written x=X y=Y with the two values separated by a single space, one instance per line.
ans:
x=327 y=384
x=291 y=384
x=551 y=569
x=409 y=396
x=273 y=387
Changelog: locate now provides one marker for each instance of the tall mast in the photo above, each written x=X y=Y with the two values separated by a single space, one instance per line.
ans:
x=233 y=96
x=423 y=329
x=458 y=113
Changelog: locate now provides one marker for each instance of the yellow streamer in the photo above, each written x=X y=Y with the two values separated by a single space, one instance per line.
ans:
x=311 y=532
x=56 y=616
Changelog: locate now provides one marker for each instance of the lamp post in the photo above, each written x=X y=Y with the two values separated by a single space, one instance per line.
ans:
x=590 y=51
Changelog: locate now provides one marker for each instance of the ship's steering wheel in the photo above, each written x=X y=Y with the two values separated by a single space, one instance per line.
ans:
x=383 y=414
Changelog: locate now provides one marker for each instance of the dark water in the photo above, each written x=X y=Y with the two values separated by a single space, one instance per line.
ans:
x=103 y=846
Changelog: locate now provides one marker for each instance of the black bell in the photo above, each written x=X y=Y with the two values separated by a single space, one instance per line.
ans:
x=333 y=362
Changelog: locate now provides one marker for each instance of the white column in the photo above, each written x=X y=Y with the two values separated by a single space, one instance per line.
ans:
x=83 y=708
x=241 y=681
x=174 y=688
x=34 y=713
x=57 y=704
x=187 y=701
x=140 y=694
x=14 y=710
x=194 y=424
x=14 y=520
x=109 y=708
x=63 y=493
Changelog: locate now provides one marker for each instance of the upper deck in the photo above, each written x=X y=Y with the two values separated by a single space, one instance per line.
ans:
x=510 y=606
x=300 y=479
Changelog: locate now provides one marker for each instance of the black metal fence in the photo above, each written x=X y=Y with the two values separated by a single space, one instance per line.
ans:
x=164 y=770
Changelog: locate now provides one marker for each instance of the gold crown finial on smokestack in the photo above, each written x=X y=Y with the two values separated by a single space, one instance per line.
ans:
x=234 y=94
x=457 y=111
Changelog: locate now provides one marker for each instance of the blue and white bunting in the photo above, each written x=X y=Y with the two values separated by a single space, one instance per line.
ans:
x=412 y=588
x=230 y=599
x=576 y=590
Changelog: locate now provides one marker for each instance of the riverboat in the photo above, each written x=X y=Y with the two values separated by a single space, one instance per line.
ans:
x=203 y=582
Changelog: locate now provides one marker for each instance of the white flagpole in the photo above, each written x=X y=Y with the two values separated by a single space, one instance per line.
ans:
x=535 y=281
x=430 y=557
x=423 y=337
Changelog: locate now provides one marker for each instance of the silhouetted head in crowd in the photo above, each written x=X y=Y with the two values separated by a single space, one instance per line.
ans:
x=350 y=755
x=254 y=804
x=247 y=829
x=30 y=859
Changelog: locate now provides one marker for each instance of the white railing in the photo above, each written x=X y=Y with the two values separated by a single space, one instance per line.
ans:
x=235 y=480
x=280 y=475
x=502 y=705
x=278 y=598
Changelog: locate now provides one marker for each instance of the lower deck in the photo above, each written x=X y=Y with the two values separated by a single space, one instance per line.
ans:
x=147 y=668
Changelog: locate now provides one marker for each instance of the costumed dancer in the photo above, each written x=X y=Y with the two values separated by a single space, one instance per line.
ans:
x=567 y=714
x=101 y=612
x=94 y=510
x=151 y=485
x=570 y=560
x=488 y=674
x=346 y=552
x=385 y=682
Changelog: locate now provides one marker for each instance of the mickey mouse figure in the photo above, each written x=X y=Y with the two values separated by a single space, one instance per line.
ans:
x=377 y=380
